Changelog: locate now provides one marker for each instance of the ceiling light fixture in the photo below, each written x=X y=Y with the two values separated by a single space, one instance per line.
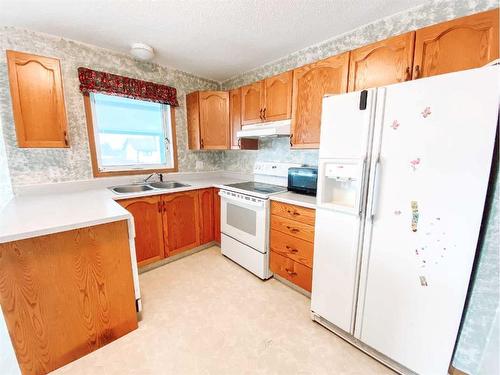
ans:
x=142 y=51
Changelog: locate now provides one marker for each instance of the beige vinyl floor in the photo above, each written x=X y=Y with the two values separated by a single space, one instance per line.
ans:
x=204 y=314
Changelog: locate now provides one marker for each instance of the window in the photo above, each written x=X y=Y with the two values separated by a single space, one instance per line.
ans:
x=130 y=136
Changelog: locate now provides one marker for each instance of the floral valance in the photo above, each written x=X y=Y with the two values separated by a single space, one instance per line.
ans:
x=112 y=84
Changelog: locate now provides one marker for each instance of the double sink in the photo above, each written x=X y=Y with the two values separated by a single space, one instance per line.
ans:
x=138 y=188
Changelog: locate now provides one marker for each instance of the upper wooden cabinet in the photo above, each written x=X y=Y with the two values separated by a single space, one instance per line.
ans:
x=235 y=121
x=208 y=120
x=267 y=100
x=252 y=103
x=310 y=83
x=148 y=228
x=463 y=43
x=37 y=100
x=181 y=227
x=382 y=63
x=278 y=97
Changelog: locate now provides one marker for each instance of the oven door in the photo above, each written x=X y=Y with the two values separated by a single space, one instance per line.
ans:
x=245 y=219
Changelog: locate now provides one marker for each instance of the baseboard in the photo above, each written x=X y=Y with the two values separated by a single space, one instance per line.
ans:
x=173 y=258
x=454 y=371
x=292 y=285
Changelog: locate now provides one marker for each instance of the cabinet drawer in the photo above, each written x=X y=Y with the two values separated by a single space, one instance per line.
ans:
x=291 y=247
x=293 y=228
x=297 y=213
x=292 y=271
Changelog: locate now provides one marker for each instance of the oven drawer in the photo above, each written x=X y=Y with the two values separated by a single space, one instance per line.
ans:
x=292 y=247
x=292 y=271
x=297 y=213
x=293 y=228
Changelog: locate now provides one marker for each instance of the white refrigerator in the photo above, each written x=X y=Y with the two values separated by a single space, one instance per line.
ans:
x=402 y=181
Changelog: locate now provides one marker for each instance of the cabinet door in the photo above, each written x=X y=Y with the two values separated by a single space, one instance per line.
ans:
x=206 y=220
x=193 y=120
x=216 y=215
x=382 y=63
x=148 y=228
x=252 y=103
x=310 y=83
x=180 y=222
x=37 y=100
x=214 y=120
x=235 y=121
x=278 y=97
x=464 y=43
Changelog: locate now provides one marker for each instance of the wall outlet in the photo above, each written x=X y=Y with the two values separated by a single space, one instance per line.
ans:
x=199 y=164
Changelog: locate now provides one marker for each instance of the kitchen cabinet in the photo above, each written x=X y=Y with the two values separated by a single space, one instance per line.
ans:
x=216 y=215
x=181 y=229
x=208 y=120
x=310 y=83
x=66 y=294
x=463 y=43
x=235 y=121
x=382 y=63
x=278 y=97
x=252 y=103
x=207 y=220
x=147 y=215
x=267 y=100
x=38 y=104
x=292 y=243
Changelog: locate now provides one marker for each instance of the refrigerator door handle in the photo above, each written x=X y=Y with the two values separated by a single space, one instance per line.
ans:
x=376 y=184
x=361 y=202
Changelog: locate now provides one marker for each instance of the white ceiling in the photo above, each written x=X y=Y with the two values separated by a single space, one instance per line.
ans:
x=215 y=39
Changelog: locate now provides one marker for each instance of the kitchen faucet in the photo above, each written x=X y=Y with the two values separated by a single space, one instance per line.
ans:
x=160 y=175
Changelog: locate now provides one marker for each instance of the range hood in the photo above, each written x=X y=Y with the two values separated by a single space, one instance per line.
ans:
x=269 y=129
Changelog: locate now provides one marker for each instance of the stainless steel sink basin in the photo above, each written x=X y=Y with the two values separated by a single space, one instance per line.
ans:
x=138 y=188
x=167 y=185
x=124 y=189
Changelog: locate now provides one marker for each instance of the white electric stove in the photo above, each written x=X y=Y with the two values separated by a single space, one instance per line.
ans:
x=245 y=216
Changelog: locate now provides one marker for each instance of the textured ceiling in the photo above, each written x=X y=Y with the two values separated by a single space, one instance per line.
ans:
x=215 y=39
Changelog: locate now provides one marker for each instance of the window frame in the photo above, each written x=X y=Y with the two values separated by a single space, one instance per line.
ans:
x=91 y=129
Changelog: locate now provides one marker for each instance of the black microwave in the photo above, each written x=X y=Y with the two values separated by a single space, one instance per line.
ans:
x=303 y=180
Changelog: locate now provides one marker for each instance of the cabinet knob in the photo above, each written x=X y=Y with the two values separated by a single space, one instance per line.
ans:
x=291 y=138
x=417 y=72
x=292 y=229
x=201 y=143
x=408 y=74
x=66 y=141
x=290 y=272
x=291 y=249
x=260 y=114
x=264 y=113
x=294 y=213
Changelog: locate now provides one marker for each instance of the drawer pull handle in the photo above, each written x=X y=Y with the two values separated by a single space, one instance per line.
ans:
x=291 y=229
x=291 y=273
x=294 y=213
x=291 y=249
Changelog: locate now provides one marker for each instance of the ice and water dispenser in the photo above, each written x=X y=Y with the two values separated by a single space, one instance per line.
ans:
x=340 y=185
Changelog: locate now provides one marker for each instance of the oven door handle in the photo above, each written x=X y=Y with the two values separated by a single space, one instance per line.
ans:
x=241 y=202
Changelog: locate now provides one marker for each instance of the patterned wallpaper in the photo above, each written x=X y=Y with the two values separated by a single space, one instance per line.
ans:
x=31 y=166
x=5 y=186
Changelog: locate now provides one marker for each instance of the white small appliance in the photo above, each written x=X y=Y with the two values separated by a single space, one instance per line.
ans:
x=402 y=180
x=245 y=216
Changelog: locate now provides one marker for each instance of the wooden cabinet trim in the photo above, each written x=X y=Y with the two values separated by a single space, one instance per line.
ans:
x=23 y=107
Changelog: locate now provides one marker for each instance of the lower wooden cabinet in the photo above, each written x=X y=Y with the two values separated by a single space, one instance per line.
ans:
x=64 y=295
x=207 y=219
x=216 y=215
x=181 y=230
x=169 y=224
x=147 y=215
x=292 y=243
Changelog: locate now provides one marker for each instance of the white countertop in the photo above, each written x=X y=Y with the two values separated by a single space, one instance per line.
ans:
x=295 y=198
x=58 y=209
